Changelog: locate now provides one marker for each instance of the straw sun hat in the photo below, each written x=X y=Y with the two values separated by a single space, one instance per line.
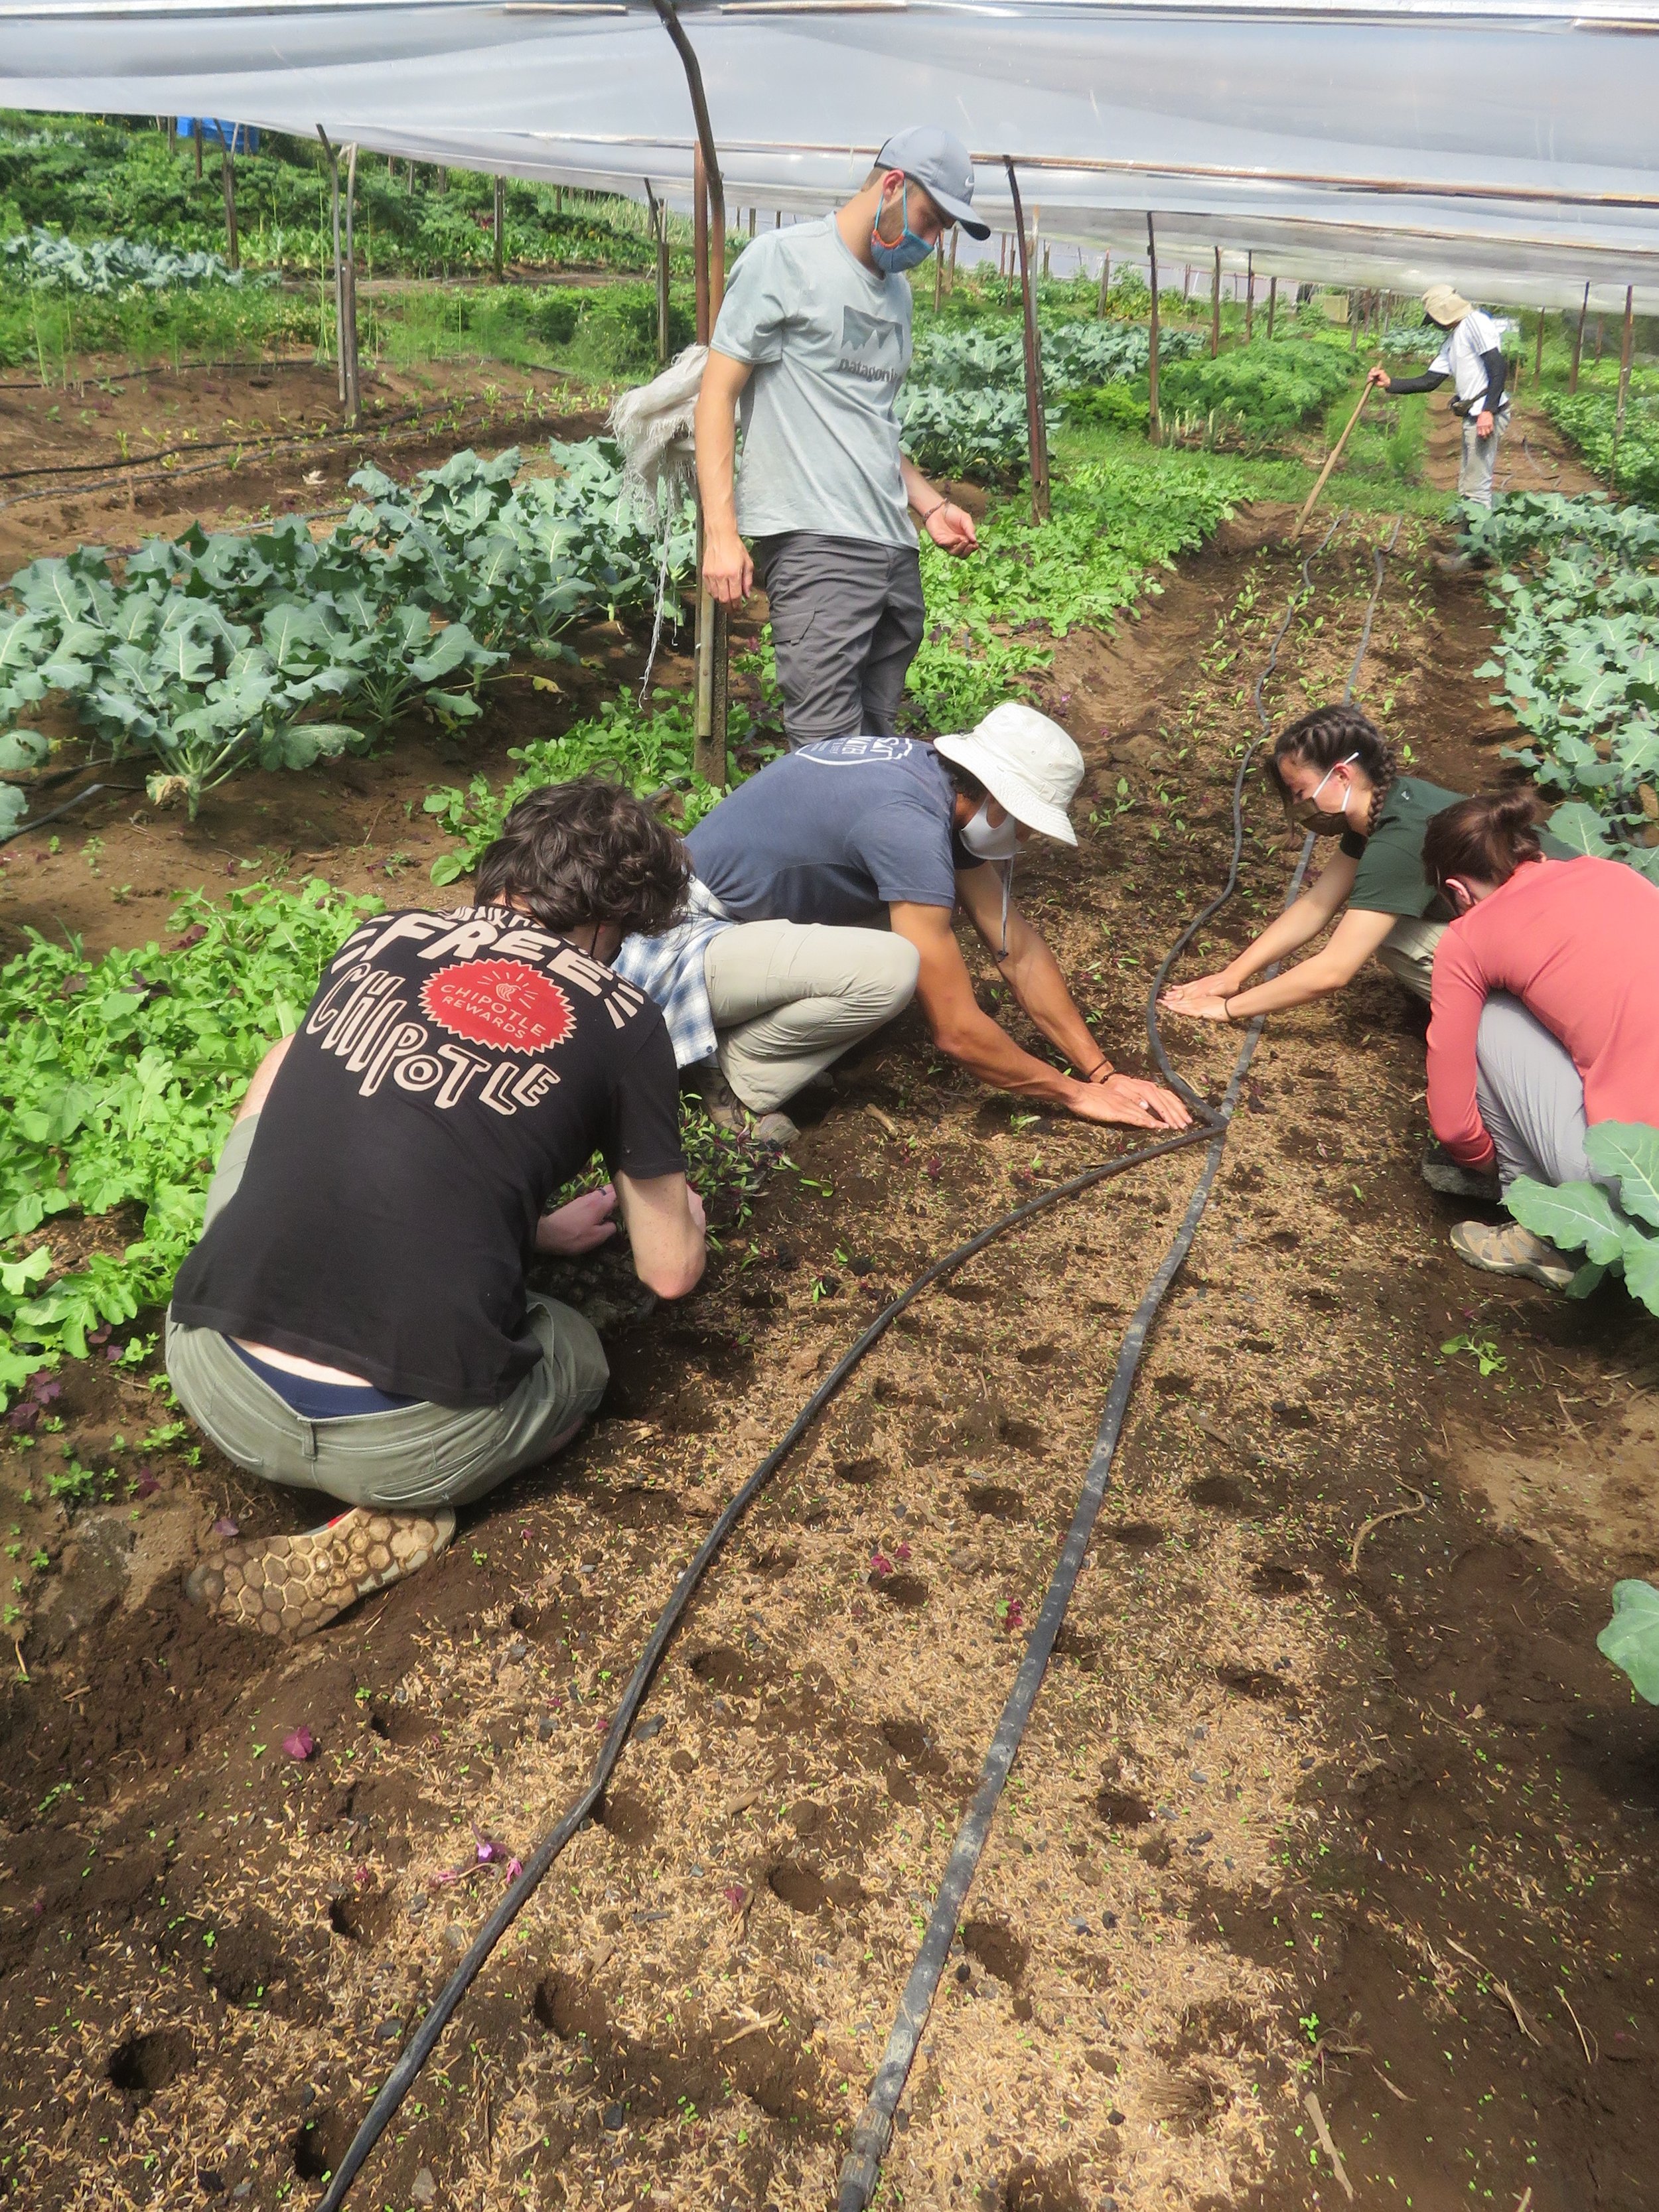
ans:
x=1446 y=306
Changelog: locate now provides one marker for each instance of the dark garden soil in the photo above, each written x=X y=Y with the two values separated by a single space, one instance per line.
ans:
x=1317 y=1803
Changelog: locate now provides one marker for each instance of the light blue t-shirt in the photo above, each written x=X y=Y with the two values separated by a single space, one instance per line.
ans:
x=835 y=833
x=829 y=342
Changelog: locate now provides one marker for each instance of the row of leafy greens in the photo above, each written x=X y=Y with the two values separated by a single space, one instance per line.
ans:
x=208 y=653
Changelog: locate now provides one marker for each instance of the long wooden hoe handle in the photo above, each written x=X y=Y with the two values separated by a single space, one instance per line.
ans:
x=1335 y=457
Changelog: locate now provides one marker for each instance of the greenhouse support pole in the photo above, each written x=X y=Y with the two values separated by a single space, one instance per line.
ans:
x=699 y=245
x=1249 y=297
x=709 y=196
x=1624 y=376
x=1272 y=304
x=1036 y=430
x=501 y=225
x=1215 y=306
x=1579 y=342
x=331 y=154
x=228 y=179
x=349 y=345
x=1154 y=428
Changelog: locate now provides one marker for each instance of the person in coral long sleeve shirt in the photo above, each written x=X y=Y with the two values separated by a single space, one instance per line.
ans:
x=1545 y=1011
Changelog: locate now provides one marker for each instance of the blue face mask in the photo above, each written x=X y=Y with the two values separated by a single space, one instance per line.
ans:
x=910 y=251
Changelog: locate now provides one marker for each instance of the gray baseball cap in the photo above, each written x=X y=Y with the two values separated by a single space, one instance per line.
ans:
x=940 y=164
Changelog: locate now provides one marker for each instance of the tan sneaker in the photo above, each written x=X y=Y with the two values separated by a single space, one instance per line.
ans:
x=774 y=1131
x=290 y=1585
x=1511 y=1250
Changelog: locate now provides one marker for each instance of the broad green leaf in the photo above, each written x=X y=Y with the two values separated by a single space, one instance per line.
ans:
x=14 y=806
x=1627 y=1152
x=1569 y=1215
x=1642 y=1266
x=1581 y=828
x=1630 y=1638
x=22 y=749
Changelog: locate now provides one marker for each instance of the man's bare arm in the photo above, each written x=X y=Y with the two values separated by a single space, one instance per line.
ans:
x=727 y=569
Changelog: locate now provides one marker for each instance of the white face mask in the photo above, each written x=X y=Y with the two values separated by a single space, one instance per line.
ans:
x=990 y=842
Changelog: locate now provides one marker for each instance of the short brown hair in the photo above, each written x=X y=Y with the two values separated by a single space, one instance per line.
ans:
x=1486 y=838
x=571 y=853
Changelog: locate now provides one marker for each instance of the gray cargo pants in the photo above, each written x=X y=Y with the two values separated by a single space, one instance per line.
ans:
x=847 y=618
x=405 y=1461
x=1530 y=1095
x=1479 y=458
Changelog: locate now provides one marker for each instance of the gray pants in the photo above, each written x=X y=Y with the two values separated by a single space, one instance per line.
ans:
x=1479 y=458
x=409 y=1460
x=1530 y=1095
x=790 y=997
x=1407 y=952
x=847 y=618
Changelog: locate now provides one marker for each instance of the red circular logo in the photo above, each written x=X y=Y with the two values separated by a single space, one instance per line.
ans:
x=499 y=1002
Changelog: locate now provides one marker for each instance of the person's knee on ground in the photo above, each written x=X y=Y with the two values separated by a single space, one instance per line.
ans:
x=771 y=1058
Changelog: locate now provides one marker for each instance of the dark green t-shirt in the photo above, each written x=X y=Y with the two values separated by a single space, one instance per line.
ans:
x=1390 y=878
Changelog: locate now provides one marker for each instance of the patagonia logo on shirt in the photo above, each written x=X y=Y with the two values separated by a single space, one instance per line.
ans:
x=871 y=346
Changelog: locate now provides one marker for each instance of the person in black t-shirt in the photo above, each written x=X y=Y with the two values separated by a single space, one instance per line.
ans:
x=355 y=1318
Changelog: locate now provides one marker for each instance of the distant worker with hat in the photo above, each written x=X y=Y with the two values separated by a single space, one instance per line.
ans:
x=811 y=345
x=826 y=888
x=1472 y=357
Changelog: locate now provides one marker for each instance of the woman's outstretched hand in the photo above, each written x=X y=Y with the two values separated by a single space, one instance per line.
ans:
x=1204 y=999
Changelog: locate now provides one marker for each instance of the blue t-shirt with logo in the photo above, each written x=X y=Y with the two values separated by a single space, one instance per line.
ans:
x=835 y=833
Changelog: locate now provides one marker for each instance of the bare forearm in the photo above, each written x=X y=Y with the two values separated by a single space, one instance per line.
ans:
x=1298 y=987
x=716 y=439
x=1036 y=982
x=990 y=1055
x=1287 y=933
x=917 y=489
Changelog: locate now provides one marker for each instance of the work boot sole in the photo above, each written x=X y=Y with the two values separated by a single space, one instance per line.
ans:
x=292 y=1585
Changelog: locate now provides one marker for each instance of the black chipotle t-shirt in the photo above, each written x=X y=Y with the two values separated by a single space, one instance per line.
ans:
x=452 y=1072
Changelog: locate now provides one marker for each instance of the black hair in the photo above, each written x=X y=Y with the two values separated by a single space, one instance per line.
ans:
x=1486 y=837
x=1325 y=738
x=571 y=853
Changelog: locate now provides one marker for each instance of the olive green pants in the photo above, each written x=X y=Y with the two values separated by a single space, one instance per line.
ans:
x=408 y=1460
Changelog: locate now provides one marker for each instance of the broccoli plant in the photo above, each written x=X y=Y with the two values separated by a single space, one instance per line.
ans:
x=1617 y=1234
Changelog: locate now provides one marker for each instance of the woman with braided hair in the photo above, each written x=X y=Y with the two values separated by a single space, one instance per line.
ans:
x=1339 y=777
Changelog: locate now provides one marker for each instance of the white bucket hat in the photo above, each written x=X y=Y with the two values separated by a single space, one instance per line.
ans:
x=1446 y=306
x=1027 y=763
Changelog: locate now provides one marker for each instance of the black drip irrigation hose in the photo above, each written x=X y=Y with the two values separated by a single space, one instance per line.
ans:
x=870 y=2137
x=41 y=820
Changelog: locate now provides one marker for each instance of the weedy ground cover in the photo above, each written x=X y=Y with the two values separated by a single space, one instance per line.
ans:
x=1578 y=652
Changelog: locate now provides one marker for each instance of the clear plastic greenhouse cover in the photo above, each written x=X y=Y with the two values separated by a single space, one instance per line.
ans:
x=1507 y=146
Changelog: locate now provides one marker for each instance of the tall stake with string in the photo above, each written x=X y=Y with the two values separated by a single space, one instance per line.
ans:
x=709 y=198
x=1036 y=427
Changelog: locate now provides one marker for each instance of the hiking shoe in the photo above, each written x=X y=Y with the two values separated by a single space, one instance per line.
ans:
x=775 y=1132
x=1511 y=1250
x=1443 y=1173
x=290 y=1585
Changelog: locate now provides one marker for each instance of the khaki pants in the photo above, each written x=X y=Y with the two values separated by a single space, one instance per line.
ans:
x=1407 y=952
x=409 y=1460
x=1478 y=460
x=789 y=998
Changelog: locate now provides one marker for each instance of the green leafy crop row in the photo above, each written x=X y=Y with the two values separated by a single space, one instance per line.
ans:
x=108 y=265
x=206 y=654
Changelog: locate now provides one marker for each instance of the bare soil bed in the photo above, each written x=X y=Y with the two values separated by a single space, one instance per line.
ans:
x=1298 y=1812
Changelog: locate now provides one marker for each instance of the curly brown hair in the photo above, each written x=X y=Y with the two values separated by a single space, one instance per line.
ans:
x=1326 y=737
x=571 y=853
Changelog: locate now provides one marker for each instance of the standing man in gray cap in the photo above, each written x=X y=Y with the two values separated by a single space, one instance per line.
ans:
x=811 y=344
x=1473 y=358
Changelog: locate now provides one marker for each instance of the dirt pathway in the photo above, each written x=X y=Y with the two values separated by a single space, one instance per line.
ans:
x=1284 y=1823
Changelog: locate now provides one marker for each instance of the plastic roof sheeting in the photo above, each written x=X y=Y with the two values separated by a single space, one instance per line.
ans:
x=1509 y=148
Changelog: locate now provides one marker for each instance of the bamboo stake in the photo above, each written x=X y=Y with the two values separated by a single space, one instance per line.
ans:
x=1335 y=457
x=700 y=243
x=1215 y=306
x=1154 y=428
x=1105 y=284
x=1037 y=429
x=331 y=154
x=227 y=176
x=659 y=232
x=501 y=225
x=1272 y=304
x=1624 y=376
x=354 y=379
x=956 y=232
x=1579 y=342
x=1249 y=297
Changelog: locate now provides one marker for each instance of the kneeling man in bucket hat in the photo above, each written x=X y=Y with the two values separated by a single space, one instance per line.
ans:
x=1473 y=358
x=825 y=892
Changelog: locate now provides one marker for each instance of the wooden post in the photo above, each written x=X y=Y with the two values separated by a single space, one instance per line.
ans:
x=1249 y=297
x=331 y=154
x=228 y=178
x=1579 y=342
x=956 y=232
x=1036 y=427
x=660 y=234
x=752 y=221
x=1272 y=304
x=501 y=226
x=713 y=644
x=1215 y=306
x=1624 y=376
x=1154 y=427
x=354 y=382
x=938 y=274
x=1105 y=284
